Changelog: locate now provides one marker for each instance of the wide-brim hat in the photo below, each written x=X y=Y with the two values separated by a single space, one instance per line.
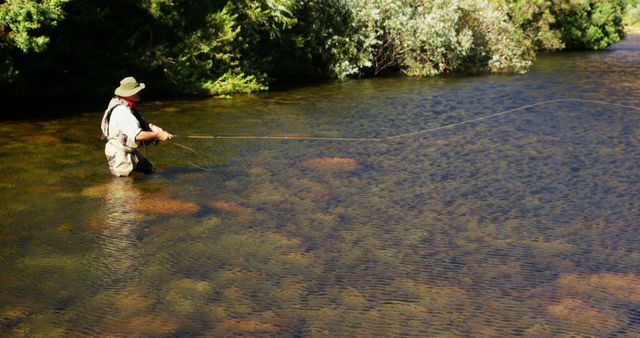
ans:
x=129 y=87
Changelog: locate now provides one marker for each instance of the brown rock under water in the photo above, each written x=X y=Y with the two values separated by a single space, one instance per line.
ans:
x=620 y=287
x=332 y=163
x=192 y=287
x=352 y=297
x=132 y=303
x=245 y=326
x=229 y=278
x=392 y=320
x=580 y=315
x=310 y=189
x=435 y=297
x=163 y=205
x=296 y=257
x=151 y=325
x=290 y=291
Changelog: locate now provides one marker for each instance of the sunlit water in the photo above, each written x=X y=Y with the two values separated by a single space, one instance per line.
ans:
x=523 y=225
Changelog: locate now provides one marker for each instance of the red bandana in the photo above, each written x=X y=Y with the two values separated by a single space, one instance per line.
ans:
x=129 y=103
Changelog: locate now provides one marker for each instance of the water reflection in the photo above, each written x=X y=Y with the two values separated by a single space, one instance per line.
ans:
x=120 y=249
x=115 y=263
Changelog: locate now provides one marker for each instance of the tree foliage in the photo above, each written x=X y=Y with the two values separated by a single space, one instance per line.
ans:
x=632 y=16
x=23 y=20
x=222 y=47
x=573 y=24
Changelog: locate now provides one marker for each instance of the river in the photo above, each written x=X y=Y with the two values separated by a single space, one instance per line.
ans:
x=521 y=218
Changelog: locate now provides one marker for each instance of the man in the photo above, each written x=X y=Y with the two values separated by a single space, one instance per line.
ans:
x=125 y=130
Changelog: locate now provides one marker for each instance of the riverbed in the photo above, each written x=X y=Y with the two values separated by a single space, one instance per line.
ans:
x=477 y=206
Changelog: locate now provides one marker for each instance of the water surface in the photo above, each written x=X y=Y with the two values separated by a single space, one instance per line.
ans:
x=522 y=225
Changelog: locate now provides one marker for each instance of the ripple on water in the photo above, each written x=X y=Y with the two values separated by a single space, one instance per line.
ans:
x=523 y=225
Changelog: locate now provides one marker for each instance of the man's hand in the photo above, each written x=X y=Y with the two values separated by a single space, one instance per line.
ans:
x=163 y=135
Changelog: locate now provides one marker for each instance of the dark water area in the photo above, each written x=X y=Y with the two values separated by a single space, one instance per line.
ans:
x=526 y=224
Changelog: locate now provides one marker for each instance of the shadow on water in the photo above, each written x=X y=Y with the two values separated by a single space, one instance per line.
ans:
x=521 y=225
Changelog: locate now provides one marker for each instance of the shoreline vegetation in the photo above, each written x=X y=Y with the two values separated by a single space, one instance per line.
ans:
x=60 y=49
x=632 y=29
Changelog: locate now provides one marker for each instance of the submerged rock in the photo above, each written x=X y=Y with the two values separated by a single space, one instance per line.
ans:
x=277 y=240
x=617 y=286
x=234 y=295
x=624 y=287
x=268 y=193
x=352 y=297
x=45 y=324
x=296 y=258
x=552 y=247
x=191 y=288
x=290 y=291
x=244 y=326
x=393 y=319
x=133 y=303
x=258 y=171
x=332 y=163
x=151 y=325
x=441 y=298
x=130 y=301
x=233 y=277
x=580 y=315
x=53 y=262
x=238 y=301
x=13 y=313
x=538 y=330
x=307 y=189
x=163 y=205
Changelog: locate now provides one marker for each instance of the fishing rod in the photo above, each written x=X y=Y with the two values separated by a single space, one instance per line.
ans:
x=253 y=137
x=393 y=137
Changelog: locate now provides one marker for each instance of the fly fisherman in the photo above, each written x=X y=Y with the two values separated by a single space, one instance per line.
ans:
x=125 y=130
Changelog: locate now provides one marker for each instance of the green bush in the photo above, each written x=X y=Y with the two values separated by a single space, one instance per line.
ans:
x=195 y=55
x=572 y=24
x=21 y=22
x=222 y=47
x=21 y=28
x=535 y=19
x=632 y=17
x=590 y=24
x=234 y=82
x=431 y=37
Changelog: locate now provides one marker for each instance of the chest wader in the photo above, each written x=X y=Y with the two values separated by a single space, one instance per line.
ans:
x=122 y=154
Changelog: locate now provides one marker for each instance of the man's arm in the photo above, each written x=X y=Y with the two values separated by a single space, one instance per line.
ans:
x=153 y=135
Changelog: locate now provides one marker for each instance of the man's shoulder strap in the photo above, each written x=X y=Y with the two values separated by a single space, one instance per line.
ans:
x=107 y=117
x=144 y=125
